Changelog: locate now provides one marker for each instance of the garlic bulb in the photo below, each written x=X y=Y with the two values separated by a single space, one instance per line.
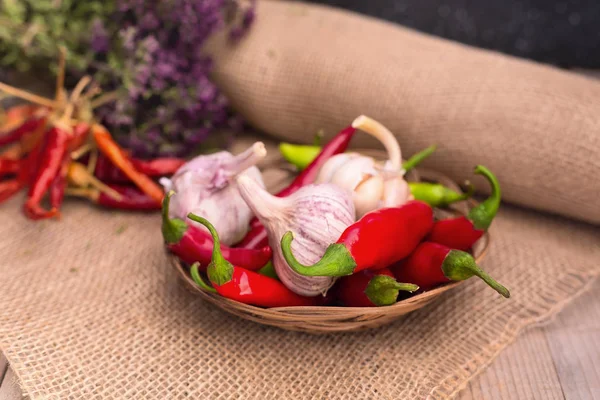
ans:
x=205 y=187
x=316 y=214
x=373 y=184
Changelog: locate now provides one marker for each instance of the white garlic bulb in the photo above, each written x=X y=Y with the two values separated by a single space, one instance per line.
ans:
x=373 y=184
x=316 y=215
x=206 y=187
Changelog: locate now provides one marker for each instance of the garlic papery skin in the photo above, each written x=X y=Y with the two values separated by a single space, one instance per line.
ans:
x=372 y=185
x=316 y=215
x=206 y=187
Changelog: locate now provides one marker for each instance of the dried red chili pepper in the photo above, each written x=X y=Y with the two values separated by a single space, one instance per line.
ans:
x=29 y=125
x=115 y=154
x=243 y=285
x=9 y=188
x=193 y=244
x=107 y=172
x=371 y=288
x=9 y=166
x=433 y=264
x=377 y=240
x=57 y=139
x=59 y=184
x=257 y=236
x=461 y=233
x=131 y=198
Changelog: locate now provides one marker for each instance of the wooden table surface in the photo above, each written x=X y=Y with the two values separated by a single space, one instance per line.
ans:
x=560 y=360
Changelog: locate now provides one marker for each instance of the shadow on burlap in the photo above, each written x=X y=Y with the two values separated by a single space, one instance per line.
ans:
x=89 y=307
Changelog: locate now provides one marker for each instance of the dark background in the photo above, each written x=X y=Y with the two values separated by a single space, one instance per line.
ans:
x=563 y=33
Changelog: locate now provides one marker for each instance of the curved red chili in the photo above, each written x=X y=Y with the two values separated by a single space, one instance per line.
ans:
x=59 y=183
x=257 y=236
x=461 y=233
x=107 y=172
x=432 y=264
x=240 y=284
x=20 y=131
x=9 y=166
x=371 y=288
x=193 y=244
x=377 y=240
x=57 y=139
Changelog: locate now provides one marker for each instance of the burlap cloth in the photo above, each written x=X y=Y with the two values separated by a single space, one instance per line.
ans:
x=89 y=307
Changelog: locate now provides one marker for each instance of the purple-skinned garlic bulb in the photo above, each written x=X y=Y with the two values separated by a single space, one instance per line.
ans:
x=206 y=187
x=316 y=214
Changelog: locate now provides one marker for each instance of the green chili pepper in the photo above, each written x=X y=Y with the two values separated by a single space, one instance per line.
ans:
x=268 y=270
x=299 y=155
x=418 y=158
x=302 y=155
x=438 y=195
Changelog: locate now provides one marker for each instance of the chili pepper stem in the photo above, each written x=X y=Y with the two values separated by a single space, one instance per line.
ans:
x=383 y=290
x=483 y=214
x=60 y=76
x=459 y=265
x=337 y=260
x=198 y=279
x=173 y=229
x=105 y=98
x=25 y=95
x=220 y=271
x=418 y=158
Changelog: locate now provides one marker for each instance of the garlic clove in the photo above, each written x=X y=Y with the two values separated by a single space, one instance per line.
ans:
x=353 y=172
x=395 y=193
x=332 y=165
x=367 y=195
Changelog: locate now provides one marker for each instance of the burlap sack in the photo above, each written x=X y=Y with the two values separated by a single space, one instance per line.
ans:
x=304 y=68
x=90 y=309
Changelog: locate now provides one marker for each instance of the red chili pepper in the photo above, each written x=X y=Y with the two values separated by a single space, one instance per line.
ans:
x=8 y=166
x=59 y=183
x=461 y=233
x=245 y=286
x=131 y=198
x=433 y=264
x=107 y=172
x=121 y=160
x=9 y=188
x=193 y=244
x=371 y=288
x=17 y=133
x=158 y=166
x=257 y=236
x=379 y=239
x=56 y=146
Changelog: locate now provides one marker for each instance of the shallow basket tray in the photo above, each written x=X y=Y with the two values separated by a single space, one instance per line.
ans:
x=325 y=319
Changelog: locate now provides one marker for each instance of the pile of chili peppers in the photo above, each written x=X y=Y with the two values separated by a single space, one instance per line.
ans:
x=387 y=255
x=54 y=148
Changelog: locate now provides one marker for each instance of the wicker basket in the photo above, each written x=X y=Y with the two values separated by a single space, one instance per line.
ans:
x=325 y=319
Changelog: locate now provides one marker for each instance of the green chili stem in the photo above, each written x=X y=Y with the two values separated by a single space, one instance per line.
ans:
x=483 y=214
x=198 y=279
x=418 y=158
